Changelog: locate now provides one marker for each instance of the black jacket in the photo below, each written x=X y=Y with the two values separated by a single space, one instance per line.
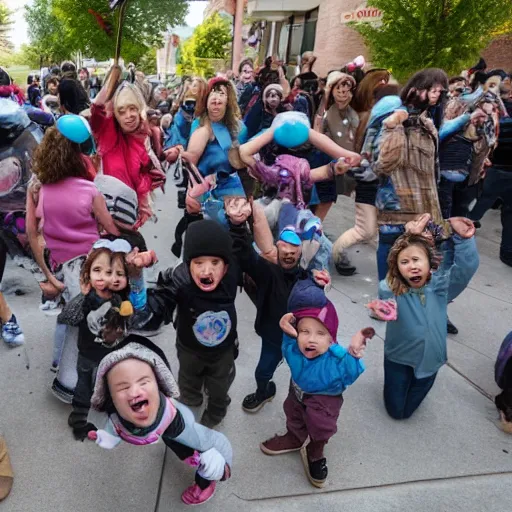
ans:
x=206 y=321
x=502 y=156
x=274 y=285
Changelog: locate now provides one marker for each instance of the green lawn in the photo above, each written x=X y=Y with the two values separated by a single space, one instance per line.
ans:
x=19 y=74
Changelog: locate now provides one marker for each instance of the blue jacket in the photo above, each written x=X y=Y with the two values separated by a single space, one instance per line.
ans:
x=328 y=374
x=418 y=337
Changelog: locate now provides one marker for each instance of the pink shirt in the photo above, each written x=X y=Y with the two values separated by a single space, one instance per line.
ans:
x=69 y=228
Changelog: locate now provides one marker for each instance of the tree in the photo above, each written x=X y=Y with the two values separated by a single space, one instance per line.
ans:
x=448 y=34
x=210 y=40
x=89 y=26
x=5 y=27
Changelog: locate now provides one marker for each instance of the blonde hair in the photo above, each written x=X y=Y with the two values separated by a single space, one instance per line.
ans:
x=129 y=95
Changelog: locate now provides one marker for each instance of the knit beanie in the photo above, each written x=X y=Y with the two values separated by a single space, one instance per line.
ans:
x=133 y=347
x=335 y=76
x=308 y=300
x=273 y=87
x=207 y=238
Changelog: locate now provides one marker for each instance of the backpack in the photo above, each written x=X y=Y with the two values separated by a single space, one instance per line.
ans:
x=503 y=366
x=18 y=140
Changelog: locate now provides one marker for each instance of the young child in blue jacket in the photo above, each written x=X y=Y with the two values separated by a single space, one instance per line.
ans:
x=321 y=371
x=414 y=299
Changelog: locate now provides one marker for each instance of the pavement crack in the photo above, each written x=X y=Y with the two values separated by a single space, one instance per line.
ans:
x=160 y=483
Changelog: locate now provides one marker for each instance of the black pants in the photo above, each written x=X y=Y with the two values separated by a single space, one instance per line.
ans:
x=84 y=389
x=456 y=198
x=216 y=374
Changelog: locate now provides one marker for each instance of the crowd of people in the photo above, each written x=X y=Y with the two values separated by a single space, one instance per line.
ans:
x=257 y=162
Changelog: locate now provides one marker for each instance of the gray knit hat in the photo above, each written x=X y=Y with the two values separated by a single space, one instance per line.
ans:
x=163 y=374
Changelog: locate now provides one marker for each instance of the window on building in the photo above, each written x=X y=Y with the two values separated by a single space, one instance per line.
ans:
x=308 y=40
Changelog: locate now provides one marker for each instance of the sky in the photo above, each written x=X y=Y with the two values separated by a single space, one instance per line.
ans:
x=19 y=31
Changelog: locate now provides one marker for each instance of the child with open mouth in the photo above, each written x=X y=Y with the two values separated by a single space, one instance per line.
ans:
x=135 y=387
x=321 y=371
x=203 y=289
x=413 y=300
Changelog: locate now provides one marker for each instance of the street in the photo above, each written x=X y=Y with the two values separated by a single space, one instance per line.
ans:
x=450 y=456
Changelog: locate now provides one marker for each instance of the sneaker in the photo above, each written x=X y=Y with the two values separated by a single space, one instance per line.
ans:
x=315 y=471
x=194 y=495
x=343 y=265
x=451 y=328
x=12 y=333
x=51 y=307
x=61 y=392
x=282 y=444
x=255 y=401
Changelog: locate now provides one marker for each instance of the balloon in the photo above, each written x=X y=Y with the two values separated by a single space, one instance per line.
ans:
x=291 y=129
x=75 y=128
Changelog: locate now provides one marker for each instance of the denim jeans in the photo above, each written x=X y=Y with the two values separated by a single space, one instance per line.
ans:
x=498 y=184
x=403 y=392
x=386 y=241
x=270 y=357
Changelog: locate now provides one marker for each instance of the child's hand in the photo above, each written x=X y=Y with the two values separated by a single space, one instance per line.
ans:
x=287 y=325
x=238 y=209
x=359 y=340
x=145 y=259
x=92 y=435
x=462 y=226
x=384 y=309
x=321 y=277
x=134 y=263
x=418 y=226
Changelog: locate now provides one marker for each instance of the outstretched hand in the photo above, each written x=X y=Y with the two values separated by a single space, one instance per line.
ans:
x=287 y=325
x=358 y=342
x=462 y=226
x=385 y=310
x=419 y=225
x=321 y=277
x=238 y=209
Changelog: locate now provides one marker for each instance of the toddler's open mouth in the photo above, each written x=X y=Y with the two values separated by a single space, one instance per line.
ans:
x=207 y=281
x=415 y=279
x=137 y=406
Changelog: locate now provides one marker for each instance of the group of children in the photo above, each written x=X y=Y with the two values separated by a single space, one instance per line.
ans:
x=129 y=378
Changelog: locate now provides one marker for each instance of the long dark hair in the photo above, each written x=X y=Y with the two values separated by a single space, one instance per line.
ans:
x=423 y=80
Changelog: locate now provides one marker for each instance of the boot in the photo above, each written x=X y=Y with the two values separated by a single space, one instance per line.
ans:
x=6 y=474
x=343 y=265
x=255 y=401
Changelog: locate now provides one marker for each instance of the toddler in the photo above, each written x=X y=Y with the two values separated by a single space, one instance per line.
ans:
x=321 y=371
x=135 y=386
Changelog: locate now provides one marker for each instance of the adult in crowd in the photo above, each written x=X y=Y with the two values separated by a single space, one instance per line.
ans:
x=498 y=182
x=118 y=121
x=65 y=205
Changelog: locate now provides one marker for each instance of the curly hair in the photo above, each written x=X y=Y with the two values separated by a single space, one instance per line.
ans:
x=396 y=282
x=57 y=158
x=232 y=115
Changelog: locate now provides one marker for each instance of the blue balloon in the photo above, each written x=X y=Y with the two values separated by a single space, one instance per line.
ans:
x=75 y=128
x=291 y=133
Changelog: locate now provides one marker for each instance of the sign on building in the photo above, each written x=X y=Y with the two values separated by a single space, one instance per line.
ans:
x=362 y=14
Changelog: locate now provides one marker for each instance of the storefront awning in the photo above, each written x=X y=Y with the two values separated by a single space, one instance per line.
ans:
x=277 y=10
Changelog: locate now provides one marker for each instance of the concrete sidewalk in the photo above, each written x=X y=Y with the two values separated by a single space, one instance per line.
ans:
x=451 y=455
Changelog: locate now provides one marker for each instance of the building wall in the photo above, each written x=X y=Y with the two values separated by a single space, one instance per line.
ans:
x=499 y=54
x=336 y=43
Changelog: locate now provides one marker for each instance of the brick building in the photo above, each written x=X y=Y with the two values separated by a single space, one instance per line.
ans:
x=296 y=26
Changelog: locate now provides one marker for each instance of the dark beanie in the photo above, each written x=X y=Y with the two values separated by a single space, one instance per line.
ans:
x=207 y=238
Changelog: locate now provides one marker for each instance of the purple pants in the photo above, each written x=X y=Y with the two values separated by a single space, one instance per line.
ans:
x=315 y=416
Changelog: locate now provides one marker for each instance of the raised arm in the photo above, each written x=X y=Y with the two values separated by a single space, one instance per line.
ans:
x=110 y=86
x=254 y=146
x=325 y=144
